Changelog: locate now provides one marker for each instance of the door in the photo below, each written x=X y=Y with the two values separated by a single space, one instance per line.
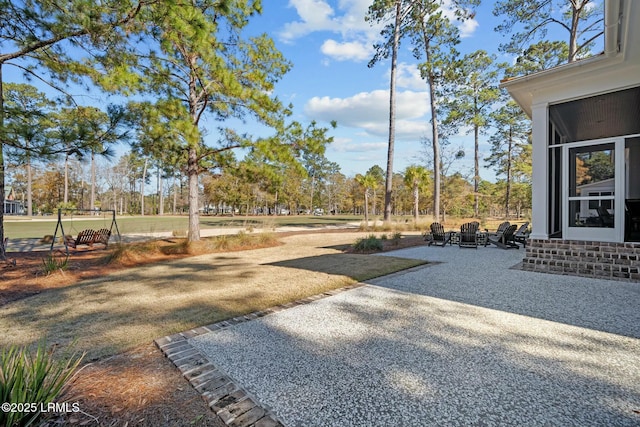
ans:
x=593 y=185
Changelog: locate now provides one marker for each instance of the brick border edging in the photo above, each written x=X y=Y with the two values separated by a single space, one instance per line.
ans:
x=230 y=402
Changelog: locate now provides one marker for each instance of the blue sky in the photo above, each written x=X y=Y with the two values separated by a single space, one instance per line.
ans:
x=330 y=45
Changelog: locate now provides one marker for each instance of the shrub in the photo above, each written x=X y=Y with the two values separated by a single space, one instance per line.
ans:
x=368 y=244
x=54 y=263
x=35 y=378
x=396 y=238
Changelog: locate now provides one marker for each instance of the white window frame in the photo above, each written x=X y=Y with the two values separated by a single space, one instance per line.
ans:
x=615 y=234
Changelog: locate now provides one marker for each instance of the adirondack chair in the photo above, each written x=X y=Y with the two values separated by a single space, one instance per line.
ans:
x=496 y=234
x=522 y=234
x=506 y=241
x=438 y=236
x=469 y=235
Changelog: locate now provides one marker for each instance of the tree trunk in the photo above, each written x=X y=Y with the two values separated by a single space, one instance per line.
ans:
x=29 y=187
x=476 y=174
x=366 y=207
x=144 y=178
x=436 y=151
x=573 y=34
x=416 y=195
x=92 y=202
x=160 y=191
x=194 y=219
x=434 y=131
x=313 y=186
x=65 y=198
x=175 y=195
x=392 y=115
x=508 y=190
x=2 y=133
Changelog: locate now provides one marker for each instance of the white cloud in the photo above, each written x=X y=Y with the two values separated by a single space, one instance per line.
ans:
x=349 y=146
x=368 y=106
x=318 y=15
x=408 y=76
x=347 y=50
x=468 y=27
x=369 y=111
x=315 y=15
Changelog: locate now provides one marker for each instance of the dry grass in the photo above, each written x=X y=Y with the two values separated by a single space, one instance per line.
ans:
x=130 y=307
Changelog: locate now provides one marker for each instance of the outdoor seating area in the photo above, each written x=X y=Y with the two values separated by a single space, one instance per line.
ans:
x=506 y=235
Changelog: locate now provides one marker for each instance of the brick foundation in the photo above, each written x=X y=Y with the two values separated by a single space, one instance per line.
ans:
x=616 y=261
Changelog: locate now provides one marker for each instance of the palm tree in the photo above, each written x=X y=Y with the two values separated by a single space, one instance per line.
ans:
x=416 y=177
x=369 y=182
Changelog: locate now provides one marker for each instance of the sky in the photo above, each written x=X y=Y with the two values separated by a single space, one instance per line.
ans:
x=330 y=45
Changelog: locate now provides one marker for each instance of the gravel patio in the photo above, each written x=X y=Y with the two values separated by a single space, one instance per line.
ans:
x=468 y=340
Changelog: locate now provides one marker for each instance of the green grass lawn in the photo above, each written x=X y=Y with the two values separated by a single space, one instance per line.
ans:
x=38 y=227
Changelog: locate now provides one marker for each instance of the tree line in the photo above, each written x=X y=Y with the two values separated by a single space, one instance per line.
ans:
x=136 y=185
x=177 y=63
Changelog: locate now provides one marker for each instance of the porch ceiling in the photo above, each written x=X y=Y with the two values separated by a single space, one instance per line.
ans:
x=611 y=114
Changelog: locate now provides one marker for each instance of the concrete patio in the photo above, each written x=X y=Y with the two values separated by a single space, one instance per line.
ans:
x=465 y=341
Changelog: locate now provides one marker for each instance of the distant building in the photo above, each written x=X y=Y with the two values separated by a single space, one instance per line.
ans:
x=11 y=205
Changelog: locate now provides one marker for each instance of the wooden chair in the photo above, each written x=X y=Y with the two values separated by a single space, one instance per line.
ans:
x=522 y=234
x=438 y=236
x=496 y=234
x=506 y=240
x=469 y=235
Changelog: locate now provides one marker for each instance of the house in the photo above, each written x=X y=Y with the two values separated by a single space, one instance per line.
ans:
x=11 y=206
x=586 y=156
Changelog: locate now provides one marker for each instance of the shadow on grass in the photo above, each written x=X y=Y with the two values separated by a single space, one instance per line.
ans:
x=356 y=266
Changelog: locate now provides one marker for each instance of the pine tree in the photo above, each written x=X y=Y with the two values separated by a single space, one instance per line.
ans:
x=474 y=91
x=510 y=145
x=581 y=19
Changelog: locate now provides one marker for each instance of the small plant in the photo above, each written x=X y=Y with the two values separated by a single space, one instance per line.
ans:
x=383 y=237
x=54 y=263
x=117 y=253
x=179 y=233
x=368 y=244
x=34 y=378
x=395 y=238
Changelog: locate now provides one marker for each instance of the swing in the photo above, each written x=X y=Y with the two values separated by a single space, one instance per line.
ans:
x=89 y=236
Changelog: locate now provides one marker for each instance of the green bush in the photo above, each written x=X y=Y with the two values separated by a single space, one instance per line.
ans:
x=368 y=244
x=34 y=378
